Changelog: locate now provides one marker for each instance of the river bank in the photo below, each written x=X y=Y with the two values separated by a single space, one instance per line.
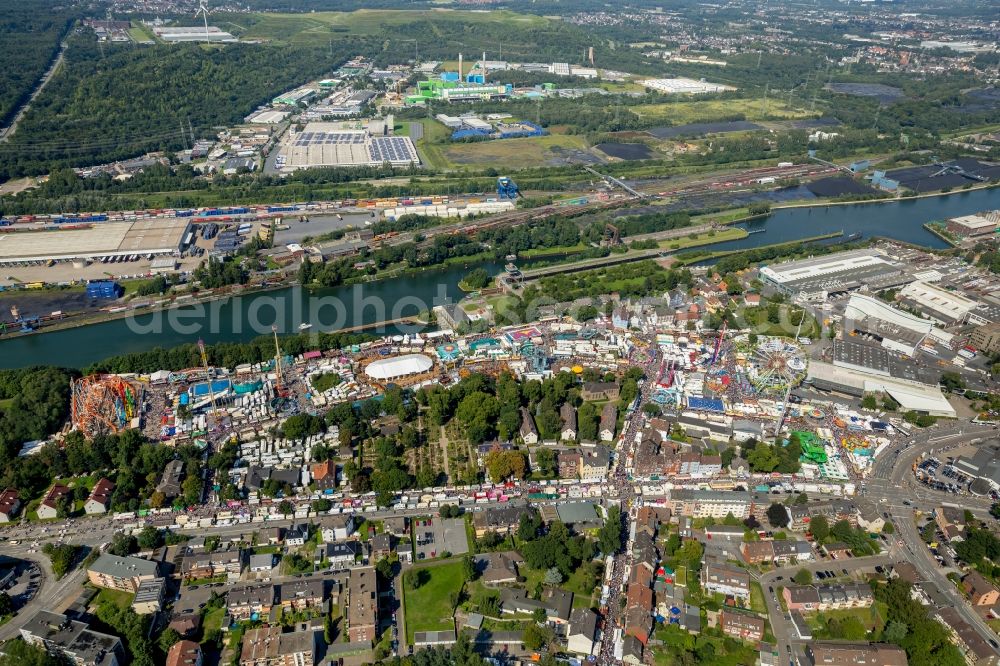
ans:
x=78 y=344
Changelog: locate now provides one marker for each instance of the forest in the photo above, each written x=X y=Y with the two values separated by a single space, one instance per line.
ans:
x=29 y=39
x=101 y=108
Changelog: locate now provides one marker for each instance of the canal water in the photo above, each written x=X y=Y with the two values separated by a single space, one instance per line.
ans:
x=244 y=318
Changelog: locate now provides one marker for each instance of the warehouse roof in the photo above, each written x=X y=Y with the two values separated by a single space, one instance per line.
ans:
x=156 y=236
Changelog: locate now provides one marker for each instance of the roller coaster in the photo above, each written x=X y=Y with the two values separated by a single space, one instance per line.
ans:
x=103 y=404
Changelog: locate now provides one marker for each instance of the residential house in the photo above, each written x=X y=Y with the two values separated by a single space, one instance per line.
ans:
x=951 y=521
x=10 y=504
x=340 y=555
x=710 y=503
x=609 y=422
x=845 y=653
x=49 y=506
x=324 y=475
x=72 y=641
x=362 y=604
x=503 y=520
x=170 y=481
x=742 y=626
x=268 y=646
x=271 y=536
x=184 y=653
x=869 y=516
x=338 y=527
x=529 y=433
x=297 y=535
x=244 y=602
x=981 y=592
x=381 y=546
x=787 y=550
x=568 y=462
x=757 y=552
x=977 y=651
x=725 y=579
x=498 y=568
x=261 y=563
x=582 y=631
x=568 y=414
x=149 y=597
x=209 y=565
x=302 y=594
x=847 y=595
x=100 y=497
x=594 y=463
x=121 y=573
x=397 y=526
x=801 y=597
x=632 y=651
x=595 y=391
x=638 y=623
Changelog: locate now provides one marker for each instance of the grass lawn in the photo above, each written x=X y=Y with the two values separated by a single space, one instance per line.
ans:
x=681 y=113
x=731 y=233
x=722 y=217
x=428 y=608
x=536 y=252
x=6 y=402
x=139 y=34
x=525 y=152
x=872 y=617
x=757 y=602
x=114 y=597
x=212 y=620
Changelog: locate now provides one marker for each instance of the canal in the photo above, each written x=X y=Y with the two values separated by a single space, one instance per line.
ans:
x=244 y=318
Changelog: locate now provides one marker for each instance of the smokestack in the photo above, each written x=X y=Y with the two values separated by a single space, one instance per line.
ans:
x=460 y=77
x=590 y=55
x=483 y=62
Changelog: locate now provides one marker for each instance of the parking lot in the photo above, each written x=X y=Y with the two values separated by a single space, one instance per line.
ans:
x=24 y=583
x=940 y=475
x=434 y=536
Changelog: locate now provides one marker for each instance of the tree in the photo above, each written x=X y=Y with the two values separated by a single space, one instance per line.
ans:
x=539 y=615
x=888 y=528
x=546 y=460
x=995 y=510
x=777 y=515
x=157 y=500
x=803 y=577
x=869 y=402
x=6 y=604
x=384 y=568
x=167 y=639
x=322 y=505
x=610 y=536
x=552 y=577
x=819 y=526
x=18 y=653
x=536 y=637
x=149 y=538
x=123 y=544
x=285 y=507
x=469 y=567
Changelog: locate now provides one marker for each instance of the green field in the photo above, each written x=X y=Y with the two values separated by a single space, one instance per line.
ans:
x=320 y=27
x=681 y=113
x=505 y=153
x=428 y=608
x=732 y=233
x=118 y=598
x=139 y=33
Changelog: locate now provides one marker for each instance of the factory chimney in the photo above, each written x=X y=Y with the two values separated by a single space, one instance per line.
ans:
x=460 y=76
x=483 y=63
x=590 y=55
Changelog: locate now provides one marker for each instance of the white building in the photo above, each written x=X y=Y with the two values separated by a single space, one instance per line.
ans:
x=942 y=306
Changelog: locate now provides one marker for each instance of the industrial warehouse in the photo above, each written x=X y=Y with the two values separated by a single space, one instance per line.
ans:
x=155 y=236
x=346 y=145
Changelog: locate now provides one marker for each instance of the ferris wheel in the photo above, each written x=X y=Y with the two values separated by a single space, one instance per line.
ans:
x=776 y=364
